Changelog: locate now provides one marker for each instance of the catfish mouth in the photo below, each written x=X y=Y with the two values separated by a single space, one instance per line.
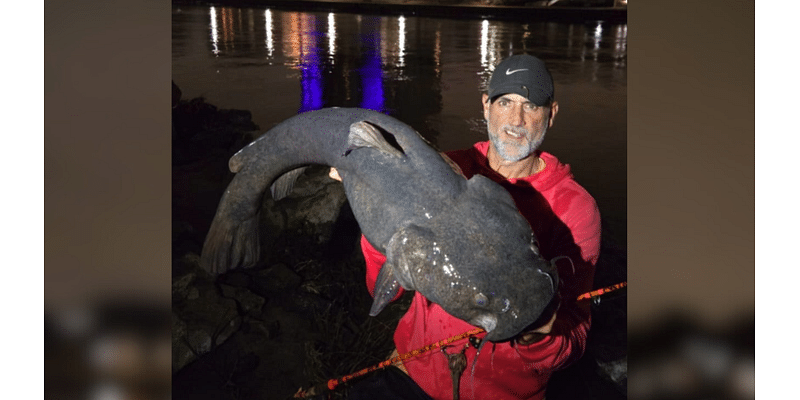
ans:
x=489 y=323
x=511 y=331
x=502 y=333
x=486 y=321
x=500 y=336
x=506 y=326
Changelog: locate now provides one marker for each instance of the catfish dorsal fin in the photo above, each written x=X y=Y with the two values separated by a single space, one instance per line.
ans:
x=284 y=184
x=365 y=134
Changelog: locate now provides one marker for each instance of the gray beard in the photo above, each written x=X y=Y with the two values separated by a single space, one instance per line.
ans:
x=504 y=149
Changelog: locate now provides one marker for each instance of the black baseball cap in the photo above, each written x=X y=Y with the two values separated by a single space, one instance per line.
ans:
x=524 y=75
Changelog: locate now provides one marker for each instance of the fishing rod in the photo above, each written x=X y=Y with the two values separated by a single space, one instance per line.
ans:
x=332 y=384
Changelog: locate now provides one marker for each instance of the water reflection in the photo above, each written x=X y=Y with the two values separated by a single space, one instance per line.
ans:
x=401 y=42
x=310 y=64
x=269 y=41
x=488 y=46
x=437 y=51
x=620 y=45
x=214 y=32
x=598 y=35
x=323 y=54
x=371 y=72
x=331 y=37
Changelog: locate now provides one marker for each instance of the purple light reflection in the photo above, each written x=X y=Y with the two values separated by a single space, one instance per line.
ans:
x=371 y=72
x=372 y=82
x=313 y=96
x=310 y=67
x=311 y=81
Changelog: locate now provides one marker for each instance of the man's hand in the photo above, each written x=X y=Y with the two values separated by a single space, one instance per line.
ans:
x=545 y=328
x=537 y=334
x=334 y=174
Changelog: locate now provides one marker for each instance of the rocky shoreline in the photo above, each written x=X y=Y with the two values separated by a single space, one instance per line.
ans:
x=300 y=316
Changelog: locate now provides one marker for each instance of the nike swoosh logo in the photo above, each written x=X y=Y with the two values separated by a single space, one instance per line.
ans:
x=509 y=72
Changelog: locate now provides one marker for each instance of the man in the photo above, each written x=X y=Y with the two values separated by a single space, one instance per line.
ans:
x=519 y=107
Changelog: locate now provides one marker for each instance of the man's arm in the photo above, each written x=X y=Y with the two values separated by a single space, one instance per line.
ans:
x=563 y=337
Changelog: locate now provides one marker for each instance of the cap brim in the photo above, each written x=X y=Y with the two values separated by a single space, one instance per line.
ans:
x=537 y=97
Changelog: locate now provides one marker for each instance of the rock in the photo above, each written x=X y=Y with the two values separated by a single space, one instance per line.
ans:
x=322 y=207
x=249 y=303
x=276 y=280
x=202 y=319
x=182 y=289
x=239 y=119
x=200 y=326
x=187 y=345
x=305 y=303
x=200 y=131
x=237 y=278
x=310 y=210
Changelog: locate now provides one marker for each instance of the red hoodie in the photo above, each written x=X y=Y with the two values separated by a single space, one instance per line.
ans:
x=566 y=222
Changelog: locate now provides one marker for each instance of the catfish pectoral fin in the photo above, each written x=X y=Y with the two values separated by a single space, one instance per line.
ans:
x=386 y=288
x=229 y=245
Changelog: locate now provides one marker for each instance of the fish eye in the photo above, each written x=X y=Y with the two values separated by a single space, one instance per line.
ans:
x=481 y=300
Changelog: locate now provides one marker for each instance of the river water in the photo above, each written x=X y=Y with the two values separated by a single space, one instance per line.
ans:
x=428 y=72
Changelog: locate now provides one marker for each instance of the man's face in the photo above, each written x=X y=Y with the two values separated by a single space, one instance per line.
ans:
x=516 y=126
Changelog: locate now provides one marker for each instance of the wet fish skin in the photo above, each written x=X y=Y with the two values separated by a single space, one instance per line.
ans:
x=461 y=243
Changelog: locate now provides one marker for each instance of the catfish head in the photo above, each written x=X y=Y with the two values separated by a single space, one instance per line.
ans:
x=478 y=260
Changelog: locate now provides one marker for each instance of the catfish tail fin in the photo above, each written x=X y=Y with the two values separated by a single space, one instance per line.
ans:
x=229 y=245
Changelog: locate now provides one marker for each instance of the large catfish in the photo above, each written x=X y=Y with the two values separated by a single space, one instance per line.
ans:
x=461 y=243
